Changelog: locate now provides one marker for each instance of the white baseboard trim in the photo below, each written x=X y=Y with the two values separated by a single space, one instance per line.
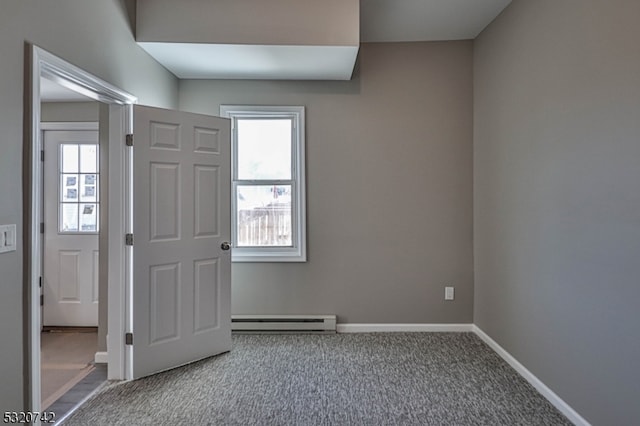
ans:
x=394 y=328
x=101 y=358
x=544 y=390
x=550 y=395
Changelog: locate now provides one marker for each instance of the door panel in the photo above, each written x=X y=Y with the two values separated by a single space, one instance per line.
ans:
x=70 y=274
x=181 y=276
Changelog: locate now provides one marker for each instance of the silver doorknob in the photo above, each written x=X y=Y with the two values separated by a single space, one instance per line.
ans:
x=225 y=245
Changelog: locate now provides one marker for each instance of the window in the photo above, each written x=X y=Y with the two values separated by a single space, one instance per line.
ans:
x=268 y=187
x=78 y=188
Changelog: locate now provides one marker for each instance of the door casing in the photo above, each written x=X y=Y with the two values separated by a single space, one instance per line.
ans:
x=40 y=63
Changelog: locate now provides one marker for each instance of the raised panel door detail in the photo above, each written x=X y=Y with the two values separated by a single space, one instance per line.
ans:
x=206 y=201
x=207 y=141
x=165 y=136
x=68 y=276
x=180 y=300
x=165 y=208
x=206 y=289
x=164 y=305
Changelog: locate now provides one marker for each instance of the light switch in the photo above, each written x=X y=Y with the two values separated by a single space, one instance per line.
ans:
x=7 y=238
x=448 y=293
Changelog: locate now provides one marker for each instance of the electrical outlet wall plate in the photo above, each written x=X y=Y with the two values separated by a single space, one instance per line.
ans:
x=7 y=238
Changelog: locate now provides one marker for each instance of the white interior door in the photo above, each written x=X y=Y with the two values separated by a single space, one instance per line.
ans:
x=181 y=296
x=71 y=210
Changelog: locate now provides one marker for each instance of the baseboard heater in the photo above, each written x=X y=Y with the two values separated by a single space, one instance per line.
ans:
x=283 y=323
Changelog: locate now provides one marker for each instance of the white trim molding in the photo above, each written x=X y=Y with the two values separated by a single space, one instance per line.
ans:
x=395 y=328
x=101 y=358
x=297 y=252
x=41 y=64
x=69 y=125
x=550 y=395
x=544 y=390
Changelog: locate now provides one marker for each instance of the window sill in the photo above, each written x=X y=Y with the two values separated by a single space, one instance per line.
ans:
x=271 y=256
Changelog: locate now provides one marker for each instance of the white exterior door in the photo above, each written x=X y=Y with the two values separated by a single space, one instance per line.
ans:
x=181 y=296
x=71 y=211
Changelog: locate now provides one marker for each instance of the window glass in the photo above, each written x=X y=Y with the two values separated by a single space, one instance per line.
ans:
x=264 y=149
x=88 y=217
x=69 y=217
x=88 y=158
x=88 y=187
x=79 y=179
x=69 y=158
x=264 y=215
x=69 y=187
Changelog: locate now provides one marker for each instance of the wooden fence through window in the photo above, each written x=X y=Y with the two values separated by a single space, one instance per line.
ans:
x=265 y=226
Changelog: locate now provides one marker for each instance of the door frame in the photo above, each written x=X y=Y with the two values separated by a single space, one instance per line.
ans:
x=41 y=63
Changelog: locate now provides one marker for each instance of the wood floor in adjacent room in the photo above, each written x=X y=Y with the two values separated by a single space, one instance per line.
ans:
x=66 y=358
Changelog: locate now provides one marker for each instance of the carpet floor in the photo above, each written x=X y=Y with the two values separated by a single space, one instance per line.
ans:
x=341 y=379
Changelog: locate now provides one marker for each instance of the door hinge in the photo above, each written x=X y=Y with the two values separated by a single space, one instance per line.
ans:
x=129 y=139
x=40 y=282
x=42 y=300
x=42 y=155
x=128 y=339
x=128 y=239
x=42 y=227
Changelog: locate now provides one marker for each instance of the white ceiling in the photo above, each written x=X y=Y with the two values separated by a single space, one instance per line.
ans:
x=247 y=61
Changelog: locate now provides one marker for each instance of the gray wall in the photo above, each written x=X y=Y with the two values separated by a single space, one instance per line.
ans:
x=389 y=188
x=95 y=35
x=557 y=199
x=69 y=111
x=277 y=22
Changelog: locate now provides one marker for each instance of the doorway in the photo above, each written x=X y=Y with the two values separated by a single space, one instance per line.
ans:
x=113 y=112
x=181 y=227
x=71 y=208
x=72 y=343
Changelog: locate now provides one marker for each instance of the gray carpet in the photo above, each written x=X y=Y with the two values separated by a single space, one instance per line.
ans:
x=342 y=379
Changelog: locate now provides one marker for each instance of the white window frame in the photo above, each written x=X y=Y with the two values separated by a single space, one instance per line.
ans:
x=298 y=251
